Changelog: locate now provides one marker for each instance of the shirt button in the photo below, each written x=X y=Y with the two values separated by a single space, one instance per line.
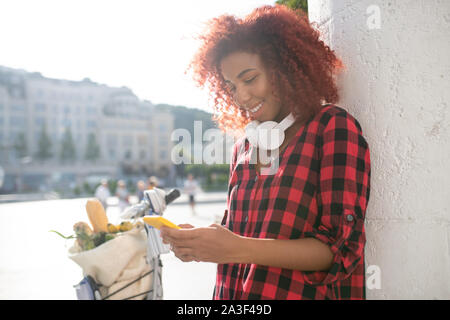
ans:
x=246 y=219
x=256 y=178
x=349 y=218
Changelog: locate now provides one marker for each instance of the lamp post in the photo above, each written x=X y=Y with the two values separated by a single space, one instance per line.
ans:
x=4 y=158
x=2 y=176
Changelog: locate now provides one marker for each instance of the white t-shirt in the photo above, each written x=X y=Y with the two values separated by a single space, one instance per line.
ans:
x=102 y=193
x=190 y=187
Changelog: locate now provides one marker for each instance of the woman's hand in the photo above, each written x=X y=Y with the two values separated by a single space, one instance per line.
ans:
x=209 y=244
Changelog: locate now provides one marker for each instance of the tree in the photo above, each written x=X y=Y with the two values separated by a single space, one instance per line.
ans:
x=295 y=4
x=92 y=148
x=44 y=145
x=184 y=117
x=67 y=147
x=20 y=146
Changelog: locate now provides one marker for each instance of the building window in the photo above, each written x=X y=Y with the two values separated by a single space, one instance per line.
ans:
x=66 y=110
x=18 y=107
x=13 y=137
x=163 y=141
x=39 y=121
x=142 y=140
x=17 y=121
x=39 y=107
x=162 y=127
x=111 y=140
x=90 y=124
x=91 y=110
x=127 y=141
x=67 y=123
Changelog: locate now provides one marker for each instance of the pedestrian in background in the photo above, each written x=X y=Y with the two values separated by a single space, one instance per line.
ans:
x=152 y=182
x=191 y=188
x=102 y=193
x=123 y=195
x=140 y=190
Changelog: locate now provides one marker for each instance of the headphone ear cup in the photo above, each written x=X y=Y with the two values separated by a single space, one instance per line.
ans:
x=270 y=137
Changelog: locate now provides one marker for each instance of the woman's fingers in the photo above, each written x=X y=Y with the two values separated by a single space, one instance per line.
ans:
x=186 y=226
x=177 y=241
x=184 y=254
x=179 y=234
x=180 y=252
x=187 y=259
x=189 y=243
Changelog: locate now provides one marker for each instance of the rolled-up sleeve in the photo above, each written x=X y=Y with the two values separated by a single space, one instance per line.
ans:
x=342 y=197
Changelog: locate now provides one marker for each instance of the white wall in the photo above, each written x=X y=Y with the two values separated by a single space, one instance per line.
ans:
x=397 y=85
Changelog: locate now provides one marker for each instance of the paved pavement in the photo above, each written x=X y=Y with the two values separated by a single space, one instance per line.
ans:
x=34 y=262
x=210 y=197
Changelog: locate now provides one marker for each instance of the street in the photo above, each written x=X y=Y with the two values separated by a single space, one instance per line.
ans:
x=34 y=262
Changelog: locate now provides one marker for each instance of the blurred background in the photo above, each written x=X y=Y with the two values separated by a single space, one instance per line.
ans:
x=90 y=93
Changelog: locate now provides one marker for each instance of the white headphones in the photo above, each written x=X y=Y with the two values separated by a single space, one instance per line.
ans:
x=268 y=135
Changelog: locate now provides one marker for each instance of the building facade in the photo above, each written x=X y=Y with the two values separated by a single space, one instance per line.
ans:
x=90 y=129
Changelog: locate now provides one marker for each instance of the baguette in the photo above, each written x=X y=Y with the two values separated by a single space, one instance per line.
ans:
x=97 y=215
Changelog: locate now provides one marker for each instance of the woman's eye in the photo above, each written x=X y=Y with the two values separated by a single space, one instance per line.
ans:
x=249 y=80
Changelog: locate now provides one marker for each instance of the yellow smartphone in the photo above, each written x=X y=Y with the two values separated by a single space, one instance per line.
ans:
x=159 y=221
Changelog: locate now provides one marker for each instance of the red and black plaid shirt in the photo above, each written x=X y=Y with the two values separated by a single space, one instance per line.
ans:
x=321 y=190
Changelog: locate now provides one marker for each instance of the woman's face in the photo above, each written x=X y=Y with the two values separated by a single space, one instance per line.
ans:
x=248 y=82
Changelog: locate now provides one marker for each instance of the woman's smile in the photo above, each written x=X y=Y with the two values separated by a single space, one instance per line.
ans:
x=256 y=111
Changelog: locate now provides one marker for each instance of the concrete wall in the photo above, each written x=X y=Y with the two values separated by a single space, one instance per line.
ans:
x=397 y=85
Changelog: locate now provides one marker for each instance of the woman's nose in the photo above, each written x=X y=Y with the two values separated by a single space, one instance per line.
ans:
x=242 y=97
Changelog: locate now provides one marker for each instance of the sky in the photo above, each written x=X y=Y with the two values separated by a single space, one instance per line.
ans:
x=145 y=45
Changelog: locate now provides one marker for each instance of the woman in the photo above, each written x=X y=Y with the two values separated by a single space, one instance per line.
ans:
x=297 y=233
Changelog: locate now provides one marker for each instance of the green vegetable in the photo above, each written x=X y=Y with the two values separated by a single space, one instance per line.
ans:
x=99 y=238
x=69 y=237
x=88 y=242
x=109 y=236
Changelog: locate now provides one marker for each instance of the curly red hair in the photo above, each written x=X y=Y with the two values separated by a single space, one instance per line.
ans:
x=301 y=67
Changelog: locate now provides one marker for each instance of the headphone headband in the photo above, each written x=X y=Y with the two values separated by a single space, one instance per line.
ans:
x=286 y=122
x=254 y=128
